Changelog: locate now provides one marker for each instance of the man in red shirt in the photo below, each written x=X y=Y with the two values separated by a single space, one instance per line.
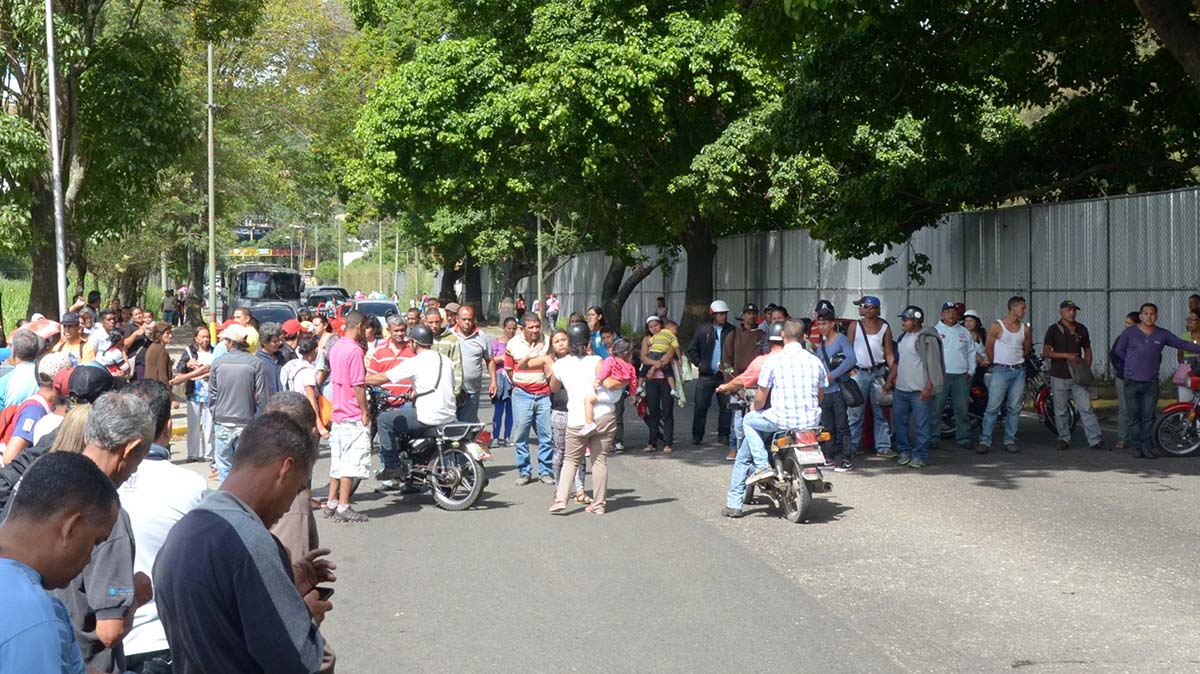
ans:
x=396 y=350
x=526 y=358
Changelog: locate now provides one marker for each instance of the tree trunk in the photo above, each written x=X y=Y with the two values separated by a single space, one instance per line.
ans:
x=450 y=276
x=701 y=252
x=43 y=291
x=1177 y=31
x=473 y=286
x=195 y=303
x=610 y=289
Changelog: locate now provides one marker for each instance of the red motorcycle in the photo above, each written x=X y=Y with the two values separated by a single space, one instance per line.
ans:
x=1177 y=429
x=1037 y=388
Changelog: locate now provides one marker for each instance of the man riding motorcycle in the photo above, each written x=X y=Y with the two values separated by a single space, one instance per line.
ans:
x=432 y=394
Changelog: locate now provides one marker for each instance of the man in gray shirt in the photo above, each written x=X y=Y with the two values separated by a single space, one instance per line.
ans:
x=475 y=349
x=237 y=388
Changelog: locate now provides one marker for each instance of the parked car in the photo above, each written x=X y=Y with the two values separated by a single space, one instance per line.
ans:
x=380 y=309
x=273 y=312
x=314 y=296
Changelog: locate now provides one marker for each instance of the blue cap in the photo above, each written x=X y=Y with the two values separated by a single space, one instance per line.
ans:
x=913 y=313
x=868 y=300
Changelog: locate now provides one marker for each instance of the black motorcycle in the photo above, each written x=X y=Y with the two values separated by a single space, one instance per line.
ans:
x=1037 y=389
x=797 y=458
x=447 y=459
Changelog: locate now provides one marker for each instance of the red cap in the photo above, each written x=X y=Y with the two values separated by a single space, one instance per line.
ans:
x=291 y=327
x=60 y=382
x=224 y=325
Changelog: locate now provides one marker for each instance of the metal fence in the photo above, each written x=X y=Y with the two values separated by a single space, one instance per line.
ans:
x=1108 y=255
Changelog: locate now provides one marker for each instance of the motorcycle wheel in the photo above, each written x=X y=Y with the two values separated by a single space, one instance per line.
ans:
x=1175 y=436
x=796 y=494
x=1051 y=422
x=456 y=480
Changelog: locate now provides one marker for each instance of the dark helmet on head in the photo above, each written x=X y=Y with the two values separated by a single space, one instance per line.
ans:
x=578 y=334
x=775 y=332
x=421 y=334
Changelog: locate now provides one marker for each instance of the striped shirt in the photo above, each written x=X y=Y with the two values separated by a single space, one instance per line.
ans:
x=387 y=357
x=530 y=380
x=794 y=376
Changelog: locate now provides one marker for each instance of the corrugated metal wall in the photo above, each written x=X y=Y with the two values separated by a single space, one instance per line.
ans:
x=1108 y=255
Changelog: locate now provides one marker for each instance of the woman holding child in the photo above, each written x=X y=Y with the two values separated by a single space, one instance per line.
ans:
x=659 y=348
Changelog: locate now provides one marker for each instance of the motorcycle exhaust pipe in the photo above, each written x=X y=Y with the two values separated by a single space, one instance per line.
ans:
x=828 y=487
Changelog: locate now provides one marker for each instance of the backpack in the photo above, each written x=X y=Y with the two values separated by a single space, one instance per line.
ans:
x=8 y=422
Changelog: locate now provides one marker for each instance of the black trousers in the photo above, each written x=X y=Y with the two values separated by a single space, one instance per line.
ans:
x=660 y=413
x=706 y=387
x=835 y=420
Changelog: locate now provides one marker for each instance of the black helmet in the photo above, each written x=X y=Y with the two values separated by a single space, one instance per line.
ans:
x=578 y=334
x=775 y=332
x=421 y=334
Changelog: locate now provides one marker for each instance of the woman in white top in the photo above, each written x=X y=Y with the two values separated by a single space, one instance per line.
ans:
x=577 y=374
x=192 y=369
x=300 y=376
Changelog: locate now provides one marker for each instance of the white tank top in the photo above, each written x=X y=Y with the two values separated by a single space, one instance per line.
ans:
x=1010 y=347
x=861 y=357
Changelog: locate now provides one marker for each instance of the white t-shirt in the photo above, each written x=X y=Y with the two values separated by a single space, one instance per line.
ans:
x=438 y=406
x=296 y=375
x=578 y=377
x=157 y=496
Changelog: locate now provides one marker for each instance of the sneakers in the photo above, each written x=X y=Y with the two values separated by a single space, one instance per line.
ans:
x=844 y=467
x=733 y=513
x=829 y=464
x=731 y=455
x=618 y=447
x=888 y=453
x=1011 y=449
x=760 y=475
x=386 y=486
x=674 y=393
x=905 y=459
x=546 y=478
x=524 y=480
x=697 y=440
x=723 y=440
x=916 y=463
x=1063 y=445
x=982 y=448
x=587 y=429
x=388 y=474
x=1100 y=446
x=349 y=515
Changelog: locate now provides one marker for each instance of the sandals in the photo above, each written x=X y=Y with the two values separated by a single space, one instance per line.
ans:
x=595 y=508
x=558 y=506
x=582 y=497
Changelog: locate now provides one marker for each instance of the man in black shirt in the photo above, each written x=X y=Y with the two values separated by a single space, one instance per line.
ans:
x=1067 y=346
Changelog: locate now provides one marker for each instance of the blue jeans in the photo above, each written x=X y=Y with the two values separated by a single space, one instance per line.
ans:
x=530 y=411
x=957 y=387
x=735 y=428
x=883 y=434
x=906 y=405
x=468 y=411
x=225 y=437
x=402 y=420
x=743 y=466
x=1006 y=388
x=502 y=415
x=1141 y=397
x=752 y=423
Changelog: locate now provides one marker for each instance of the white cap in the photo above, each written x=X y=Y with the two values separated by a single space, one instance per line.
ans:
x=234 y=333
x=972 y=313
x=653 y=318
x=719 y=307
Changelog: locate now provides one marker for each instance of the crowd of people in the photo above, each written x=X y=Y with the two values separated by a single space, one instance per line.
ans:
x=112 y=555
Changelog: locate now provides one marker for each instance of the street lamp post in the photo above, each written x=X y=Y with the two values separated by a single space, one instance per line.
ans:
x=212 y=208
x=60 y=234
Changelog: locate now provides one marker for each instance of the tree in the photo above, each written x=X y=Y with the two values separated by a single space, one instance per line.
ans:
x=122 y=114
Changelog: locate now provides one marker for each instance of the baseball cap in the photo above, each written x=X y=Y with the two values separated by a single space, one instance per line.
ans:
x=49 y=365
x=1068 y=304
x=291 y=327
x=913 y=313
x=961 y=307
x=868 y=300
x=948 y=305
x=719 y=307
x=750 y=306
x=70 y=318
x=62 y=382
x=453 y=308
x=234 y=333
x=221 y=328
x=89 y=382
x=972 y=313
x=649 y=319
x=826 y=314
x=306 y=326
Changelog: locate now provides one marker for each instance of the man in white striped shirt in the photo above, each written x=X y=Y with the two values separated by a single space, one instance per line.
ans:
x=795 y=380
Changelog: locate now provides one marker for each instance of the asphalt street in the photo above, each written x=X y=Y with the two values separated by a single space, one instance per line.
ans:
x=1043 y=561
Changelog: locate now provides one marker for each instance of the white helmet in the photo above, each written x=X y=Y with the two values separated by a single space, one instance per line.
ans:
x=719 y=307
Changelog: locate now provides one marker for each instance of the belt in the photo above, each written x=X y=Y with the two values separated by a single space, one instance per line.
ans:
x=1002 y=366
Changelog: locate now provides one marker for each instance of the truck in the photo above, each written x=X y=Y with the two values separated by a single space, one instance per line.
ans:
x=247 y=285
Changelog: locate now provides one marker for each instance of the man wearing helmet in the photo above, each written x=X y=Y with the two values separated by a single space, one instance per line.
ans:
x=432 y=377
x=916 y=380
x=705 y=351
x=748 y=379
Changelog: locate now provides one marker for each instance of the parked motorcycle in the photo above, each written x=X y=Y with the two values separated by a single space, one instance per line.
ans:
x=446 y=459
x=1177 y=429
x=797 y=458
x=1037 y=389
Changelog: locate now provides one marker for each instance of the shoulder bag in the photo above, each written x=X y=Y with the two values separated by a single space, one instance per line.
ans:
x=847 y=387
x=1082 y=375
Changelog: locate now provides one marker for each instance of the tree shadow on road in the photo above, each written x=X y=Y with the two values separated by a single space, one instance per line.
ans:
x=623 y=499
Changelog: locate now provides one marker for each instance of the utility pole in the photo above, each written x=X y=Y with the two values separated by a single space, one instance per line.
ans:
x=341 y=223
x=212 y=208
x=541 y=304
x=396 y=266
x=316 y=246
x=60 y=234
x=379 y=252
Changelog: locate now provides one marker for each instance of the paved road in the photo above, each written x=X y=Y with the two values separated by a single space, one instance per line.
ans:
x=1044 y=561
